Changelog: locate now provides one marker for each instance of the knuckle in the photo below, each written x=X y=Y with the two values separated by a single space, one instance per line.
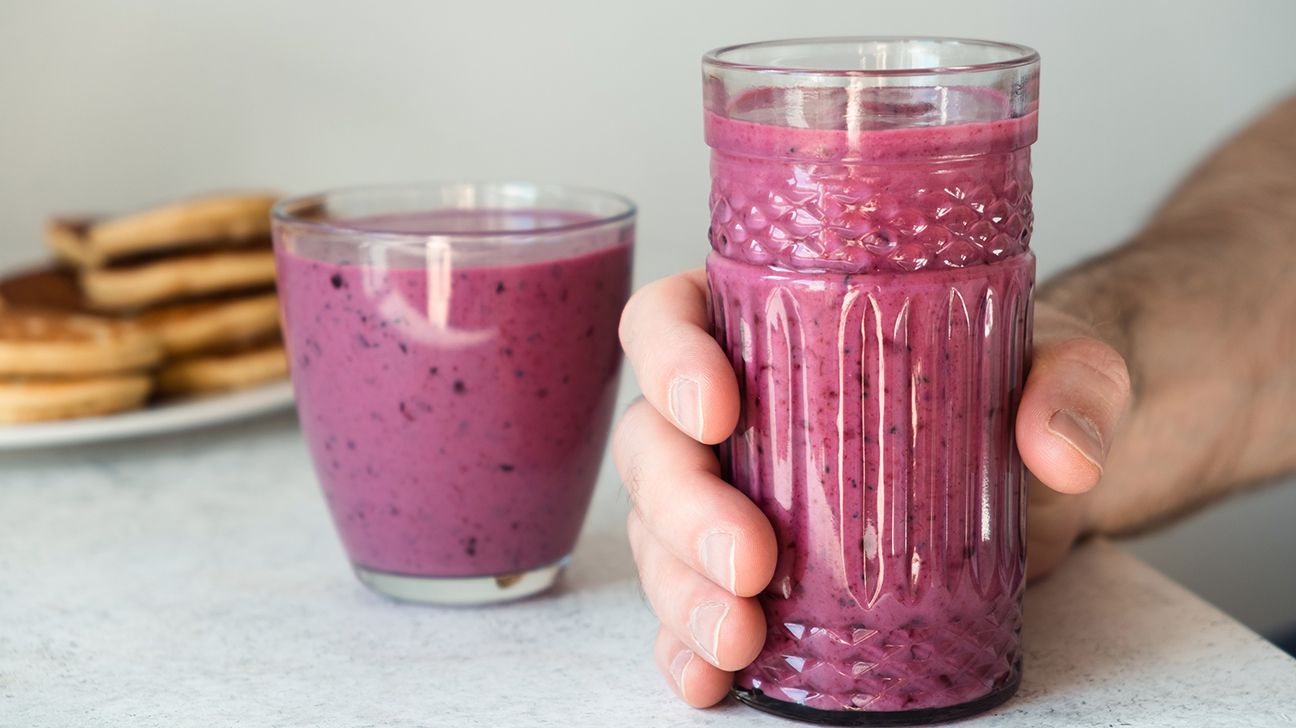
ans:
x=631 y=313
x=623 y=430
x=632 y=475
x=634 y=534
x=1100 y=360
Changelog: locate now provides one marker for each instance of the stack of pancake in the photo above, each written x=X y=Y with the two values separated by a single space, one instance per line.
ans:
x=56 y=365
x=176 y=300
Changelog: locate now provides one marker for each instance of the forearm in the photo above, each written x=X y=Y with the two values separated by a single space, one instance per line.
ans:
x=1202 y=304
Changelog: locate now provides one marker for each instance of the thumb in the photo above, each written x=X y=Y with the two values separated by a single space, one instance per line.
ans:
x=1076 y=393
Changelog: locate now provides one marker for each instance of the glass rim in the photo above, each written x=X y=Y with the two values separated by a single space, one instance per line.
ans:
x=1020 y=55
x=287 y=210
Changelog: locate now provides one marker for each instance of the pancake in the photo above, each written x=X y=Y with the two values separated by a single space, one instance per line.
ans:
x=223 y=372
x=201 y=221
x=46 y=288
x=35 y=400
x=187 y=328
x=213 y=323
x=54 y=343
x=138 y=286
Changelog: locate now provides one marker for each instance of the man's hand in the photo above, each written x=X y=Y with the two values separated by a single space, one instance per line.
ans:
x=704 y=551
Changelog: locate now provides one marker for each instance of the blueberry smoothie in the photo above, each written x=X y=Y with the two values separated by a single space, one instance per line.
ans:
x=872 y=287
x=456 y=410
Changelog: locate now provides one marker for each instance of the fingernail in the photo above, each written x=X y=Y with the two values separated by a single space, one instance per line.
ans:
x=718 y=551
x=1080 y=433
x=704 y=624
x=677 y=668
x=686 y=406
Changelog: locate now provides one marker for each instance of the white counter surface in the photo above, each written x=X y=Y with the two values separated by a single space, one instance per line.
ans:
x=194 y=580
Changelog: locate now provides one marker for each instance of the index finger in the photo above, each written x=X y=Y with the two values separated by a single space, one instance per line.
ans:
x=665 y=331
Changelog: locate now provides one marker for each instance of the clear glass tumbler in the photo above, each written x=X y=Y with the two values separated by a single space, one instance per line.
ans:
x=454 y=354
x=872 y=284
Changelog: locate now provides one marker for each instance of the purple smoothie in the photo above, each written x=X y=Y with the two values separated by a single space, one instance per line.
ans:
x=456 y=413
x=873 y=291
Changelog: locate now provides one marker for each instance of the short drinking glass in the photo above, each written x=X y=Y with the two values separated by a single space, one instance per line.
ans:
x=454 y=355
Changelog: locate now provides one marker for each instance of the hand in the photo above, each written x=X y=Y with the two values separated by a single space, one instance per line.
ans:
x=704 y=551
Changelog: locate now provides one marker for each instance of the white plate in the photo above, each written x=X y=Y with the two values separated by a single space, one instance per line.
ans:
x=152 y=420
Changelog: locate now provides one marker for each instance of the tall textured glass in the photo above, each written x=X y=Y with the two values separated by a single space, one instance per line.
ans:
x=872 y=284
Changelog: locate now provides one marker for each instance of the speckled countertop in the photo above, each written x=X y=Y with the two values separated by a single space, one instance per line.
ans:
x=194 y=580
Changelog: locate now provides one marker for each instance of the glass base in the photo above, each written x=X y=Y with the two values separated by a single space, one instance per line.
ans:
x=461 y=590
x=783 y=709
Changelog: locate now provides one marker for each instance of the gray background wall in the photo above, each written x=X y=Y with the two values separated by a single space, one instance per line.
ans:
x=111 y=105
